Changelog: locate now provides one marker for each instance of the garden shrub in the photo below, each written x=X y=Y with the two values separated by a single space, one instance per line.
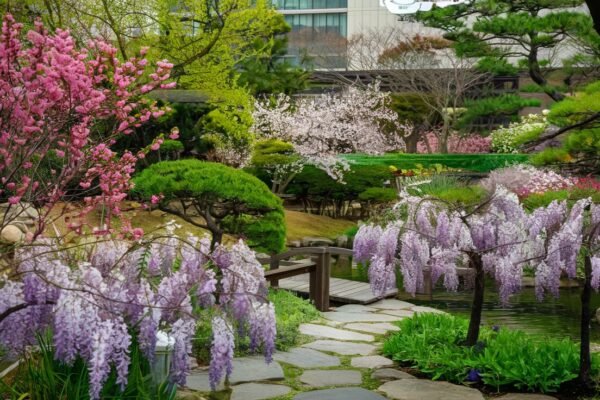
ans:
x=318 y=190
x=551 y=155
x=507 y=105
x=457 y=144
x=230 y=200
x=526 y=180
x=290 y=312
x=503 y=359
x=40 y=376
x=509 y=139
x=466 y=162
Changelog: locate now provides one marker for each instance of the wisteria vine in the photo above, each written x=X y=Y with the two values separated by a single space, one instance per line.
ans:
x=93 y=302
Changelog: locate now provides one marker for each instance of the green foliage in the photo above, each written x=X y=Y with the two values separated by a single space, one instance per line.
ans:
x=551 y=155
x=496 y=67
x=245 y=205
x=466 y=162
x=290 y=312
x=507 y=105
x=460 y=196
x=378 y=195
x=572 y=195
x=501 y=30
x=535 y=88
x=268 y=72
x=509 y=139
x=414 y=108
x=41 y=377
x=271 y=153
x=538 y=200
x=507 y=359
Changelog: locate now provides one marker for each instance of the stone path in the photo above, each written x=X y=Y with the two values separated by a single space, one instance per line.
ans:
x=342 y=357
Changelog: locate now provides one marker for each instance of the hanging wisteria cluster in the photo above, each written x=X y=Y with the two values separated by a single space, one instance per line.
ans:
x=93 y=304
x=437 y=238
x=440 y=239
x=325 y=126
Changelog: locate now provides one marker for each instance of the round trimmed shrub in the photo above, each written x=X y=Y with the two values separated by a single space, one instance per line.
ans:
x=227 y=199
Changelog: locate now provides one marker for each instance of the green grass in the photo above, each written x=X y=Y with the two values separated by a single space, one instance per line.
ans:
x=301 y=225
x=467 y=162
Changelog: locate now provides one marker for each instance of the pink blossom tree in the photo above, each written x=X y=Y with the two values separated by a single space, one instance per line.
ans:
x=323 y=127
x=61 y=109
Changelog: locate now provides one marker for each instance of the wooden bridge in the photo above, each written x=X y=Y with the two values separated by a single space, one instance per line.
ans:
x=311 y=275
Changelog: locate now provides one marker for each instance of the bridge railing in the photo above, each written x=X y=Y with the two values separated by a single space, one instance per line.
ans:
x=318 y=266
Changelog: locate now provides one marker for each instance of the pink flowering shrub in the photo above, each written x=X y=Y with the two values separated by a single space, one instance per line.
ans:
x=96 y=303
x=61 y=110
x=526 y=180
x=456 y=144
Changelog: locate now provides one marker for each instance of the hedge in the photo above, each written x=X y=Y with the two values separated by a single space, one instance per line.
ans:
x=467 y=162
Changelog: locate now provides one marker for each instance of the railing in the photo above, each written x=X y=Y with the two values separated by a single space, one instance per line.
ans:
x=318 y=267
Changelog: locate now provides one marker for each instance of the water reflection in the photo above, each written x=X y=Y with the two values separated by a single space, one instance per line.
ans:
x=553 y=317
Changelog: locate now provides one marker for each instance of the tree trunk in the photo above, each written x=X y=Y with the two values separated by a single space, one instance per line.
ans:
x=594 y=7
x=585 y=364
x=477 y=306
x=412 y=140
x=536 y=75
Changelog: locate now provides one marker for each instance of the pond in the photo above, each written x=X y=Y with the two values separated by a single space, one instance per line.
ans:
x=553 y=317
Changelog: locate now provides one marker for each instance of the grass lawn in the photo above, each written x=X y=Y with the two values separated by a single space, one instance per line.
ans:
x=299 y=224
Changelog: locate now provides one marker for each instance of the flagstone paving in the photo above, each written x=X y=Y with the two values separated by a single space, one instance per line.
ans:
x=343 y=348
x=306 y=358
x=342 y=353
x=332 y=377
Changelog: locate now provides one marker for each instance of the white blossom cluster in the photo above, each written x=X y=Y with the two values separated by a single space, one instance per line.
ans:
x=508 y=139
x=325 y=126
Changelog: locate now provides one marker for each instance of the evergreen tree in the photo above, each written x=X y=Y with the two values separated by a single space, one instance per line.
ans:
x=508 y=33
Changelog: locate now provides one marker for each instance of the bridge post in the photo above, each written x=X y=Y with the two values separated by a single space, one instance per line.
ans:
x=321 y=281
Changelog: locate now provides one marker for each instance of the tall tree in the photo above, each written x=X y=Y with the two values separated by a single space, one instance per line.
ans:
x=506 y=32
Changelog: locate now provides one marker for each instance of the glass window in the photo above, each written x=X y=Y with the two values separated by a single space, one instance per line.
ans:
x=309 y=4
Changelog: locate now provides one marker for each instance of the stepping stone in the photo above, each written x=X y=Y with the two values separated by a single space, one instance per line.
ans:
x=399 y=313
x=357 y=317
x=525 y=396
x=251 y=369
x=420 y=389
x=371 y=362
x=332 y=377
x=334 y=333
x=198 y=380
x=258 y=391
x=420 y=309
x=306 y=358
x=391 y=304
x=340 y=394
x=388 y=374
x=343 y=348
x=378 y=328
x=355 y=308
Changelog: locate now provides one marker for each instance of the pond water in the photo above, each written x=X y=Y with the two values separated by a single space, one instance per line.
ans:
x=553 y=317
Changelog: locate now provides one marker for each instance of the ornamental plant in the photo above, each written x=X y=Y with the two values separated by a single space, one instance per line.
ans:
x=489 y=237
x=97 y=301
x=456 y=144
x=226 y=199
x=509 y=139
x=322 y=127
x=61 y=109
x=526 y=180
